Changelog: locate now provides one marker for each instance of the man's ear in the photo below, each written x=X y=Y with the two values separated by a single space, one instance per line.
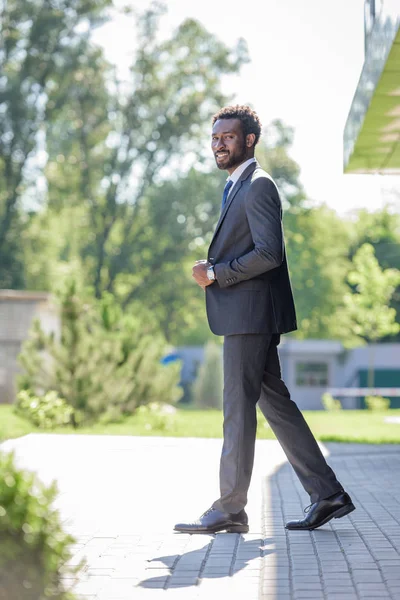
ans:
x=250 y=139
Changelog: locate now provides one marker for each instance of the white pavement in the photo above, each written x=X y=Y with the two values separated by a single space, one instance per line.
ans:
x=120 y=497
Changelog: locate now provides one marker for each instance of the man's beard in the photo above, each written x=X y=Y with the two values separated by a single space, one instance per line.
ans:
x=234 y=159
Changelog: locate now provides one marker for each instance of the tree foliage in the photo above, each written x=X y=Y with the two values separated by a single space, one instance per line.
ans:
x=318 y=246
x=46 y=412
x=366 y=315
x=40 y=41
x=380 y=229
x=34 y=546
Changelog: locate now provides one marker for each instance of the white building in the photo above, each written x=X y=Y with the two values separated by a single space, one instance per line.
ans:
x=310 y=367
x=18 y=309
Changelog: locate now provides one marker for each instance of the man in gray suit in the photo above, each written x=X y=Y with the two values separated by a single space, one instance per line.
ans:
x=249 y=301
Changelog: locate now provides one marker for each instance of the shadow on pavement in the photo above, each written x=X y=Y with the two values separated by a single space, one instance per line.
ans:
x=225 y=555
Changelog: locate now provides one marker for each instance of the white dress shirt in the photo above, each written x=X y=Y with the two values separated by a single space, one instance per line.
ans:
x=235 y=176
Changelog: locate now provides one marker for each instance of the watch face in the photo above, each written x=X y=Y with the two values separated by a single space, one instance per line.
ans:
x=210 y=273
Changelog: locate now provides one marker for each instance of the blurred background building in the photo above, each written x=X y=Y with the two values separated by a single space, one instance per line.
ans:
x=311 y=367
x=18 y=309
x=372 y=131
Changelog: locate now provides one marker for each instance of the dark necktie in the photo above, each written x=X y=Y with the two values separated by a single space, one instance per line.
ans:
x=227 y=187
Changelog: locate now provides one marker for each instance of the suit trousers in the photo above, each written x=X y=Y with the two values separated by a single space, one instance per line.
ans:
x=252 y=374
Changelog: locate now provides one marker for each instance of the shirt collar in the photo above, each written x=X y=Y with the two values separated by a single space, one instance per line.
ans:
x=234 y=177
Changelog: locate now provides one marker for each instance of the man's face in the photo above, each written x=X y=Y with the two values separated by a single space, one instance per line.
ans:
x=228 y=144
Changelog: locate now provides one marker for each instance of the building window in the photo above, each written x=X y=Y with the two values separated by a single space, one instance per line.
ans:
x=312 y=374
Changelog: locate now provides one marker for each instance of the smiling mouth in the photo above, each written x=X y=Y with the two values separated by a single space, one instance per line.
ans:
x=221 y=154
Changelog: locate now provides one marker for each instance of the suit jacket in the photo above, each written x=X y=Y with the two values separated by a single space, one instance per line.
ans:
x=252 y=291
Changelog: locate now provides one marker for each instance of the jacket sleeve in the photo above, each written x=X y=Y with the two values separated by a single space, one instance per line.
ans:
x=264 y=215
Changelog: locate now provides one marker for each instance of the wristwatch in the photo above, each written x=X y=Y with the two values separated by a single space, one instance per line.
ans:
x=211 y=273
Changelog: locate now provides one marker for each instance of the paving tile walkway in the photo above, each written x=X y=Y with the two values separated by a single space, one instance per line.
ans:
x=120 y=497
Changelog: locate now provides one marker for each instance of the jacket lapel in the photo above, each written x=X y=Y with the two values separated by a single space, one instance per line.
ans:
x=246 y=173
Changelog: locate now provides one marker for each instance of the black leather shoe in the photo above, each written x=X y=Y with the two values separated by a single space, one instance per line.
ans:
x=319 y=513
x=214 y=520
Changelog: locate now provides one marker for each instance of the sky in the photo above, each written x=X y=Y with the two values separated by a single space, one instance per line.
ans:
x=306 y=59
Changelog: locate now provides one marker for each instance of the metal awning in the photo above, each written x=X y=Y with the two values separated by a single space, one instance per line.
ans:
x=372 y=131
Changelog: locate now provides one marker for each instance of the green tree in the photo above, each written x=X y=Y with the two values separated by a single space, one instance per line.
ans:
x=365 y=315
x=106 y=362
x=40 y=41
x=318 y=244
x=381 y=229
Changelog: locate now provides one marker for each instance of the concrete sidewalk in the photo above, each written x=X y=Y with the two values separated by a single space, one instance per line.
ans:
x=120 y=497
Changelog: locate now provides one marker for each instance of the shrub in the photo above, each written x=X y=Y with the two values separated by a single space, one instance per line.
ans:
x=46 y=411
x=34 y=546
x=331 y=403
x=158 y=417
x=106 y=361
x=208 y=386
x=377 y=403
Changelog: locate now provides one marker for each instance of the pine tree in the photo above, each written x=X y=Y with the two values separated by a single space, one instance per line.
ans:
x=105 y=362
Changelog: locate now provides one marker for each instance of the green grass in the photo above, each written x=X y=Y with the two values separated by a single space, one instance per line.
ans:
x=361 y=426
x=342 y=426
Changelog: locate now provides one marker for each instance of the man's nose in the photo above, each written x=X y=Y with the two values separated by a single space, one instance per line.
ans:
x=221 y=145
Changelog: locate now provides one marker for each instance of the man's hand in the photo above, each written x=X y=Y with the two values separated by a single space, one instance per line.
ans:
x=199 y=273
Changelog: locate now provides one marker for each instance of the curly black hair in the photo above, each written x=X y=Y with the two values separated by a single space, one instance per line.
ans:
x=248 y=117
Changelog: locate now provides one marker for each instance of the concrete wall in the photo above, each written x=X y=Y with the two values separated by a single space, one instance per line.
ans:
x=17 y=311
